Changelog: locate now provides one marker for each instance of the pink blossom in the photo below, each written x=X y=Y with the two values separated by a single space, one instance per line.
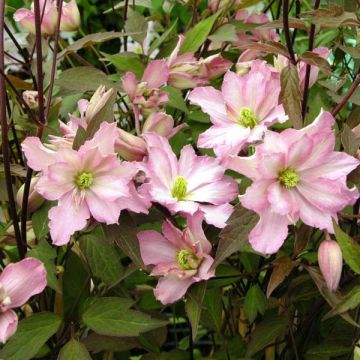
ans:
x=330 y=262
x=18 y=282
x=246 y=106
x=70 y=16
x=26 y=17
x=281 y=61
x=188 y=184
x=296 y=175
x=90 y=182
x=181 y=258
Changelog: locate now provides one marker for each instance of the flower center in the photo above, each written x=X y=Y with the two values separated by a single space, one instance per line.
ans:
x=5 y=300
x=247 y=118
x=84 y=180
x=288 y=178
x=187 y=260
x=180 y=188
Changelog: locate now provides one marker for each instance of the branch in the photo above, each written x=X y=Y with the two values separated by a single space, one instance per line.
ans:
x=346 y=98
x=287 y=31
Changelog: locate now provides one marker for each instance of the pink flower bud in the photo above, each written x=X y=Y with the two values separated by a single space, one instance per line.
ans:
x=216 y=65
x=330 y=262
x=160 y=123
x=35 y=199
x=97 y=102
x=26 y=17
x=129 y=146
x=70 y=16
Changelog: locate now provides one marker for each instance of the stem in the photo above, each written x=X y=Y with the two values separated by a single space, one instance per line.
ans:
x=308 y=66
x=346 y=98
x=287 y=31
x=5 y=140
x=125 y=18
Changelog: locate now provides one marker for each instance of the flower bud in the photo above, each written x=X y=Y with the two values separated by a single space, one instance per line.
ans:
x=26 y=17
x=31 y=98
x=98 y=101
x=159 y=123
x=129 y=146
x=70 y=16
x=330 y=262
x=216 y=65
x=35 y=199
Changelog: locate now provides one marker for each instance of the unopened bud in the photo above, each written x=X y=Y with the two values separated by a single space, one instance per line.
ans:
x=70 y=16
x=98 y=101
x=129 y=146
x=35 y=199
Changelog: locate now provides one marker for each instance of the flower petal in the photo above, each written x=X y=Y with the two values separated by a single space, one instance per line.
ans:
x=169 y=290
x=8 y=325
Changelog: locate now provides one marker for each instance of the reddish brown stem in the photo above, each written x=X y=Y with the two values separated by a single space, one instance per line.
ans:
x=346 y=98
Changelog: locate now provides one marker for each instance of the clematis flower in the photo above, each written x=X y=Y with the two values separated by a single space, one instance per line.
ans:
x=26 y=17
x=189 y=184
x=241 y=113
x=90 y=182
x=18 y=282
x=281 y=61
x=186 y=72
x=181 y=258
x=330 y=263
x=70 y=16
x=296 y=175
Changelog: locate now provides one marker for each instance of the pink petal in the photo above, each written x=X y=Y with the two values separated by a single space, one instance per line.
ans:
x=8 y=325
x=204 y=272
x=196 y=233
x=130 y=84
x=217 y=215
x=243 y=165
x=173 y=234
x=156 y=74
x=280 y=199
x=66 y=218
x=109 y=187
x=169 y=290
x=22 y=280
x=136 y=201
x=255 y=197
x=104 y=211
x=272 y=165
x=155 y=249
x=300 y=151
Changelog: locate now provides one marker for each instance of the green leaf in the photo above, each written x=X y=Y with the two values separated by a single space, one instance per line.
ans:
x=281 y=270
x=235 y=235
x=196 y=36
x=349 y=140
x=176 y=99
x=95 y=342
x=74 y=350
x=40 y=220
x=314 y=59
x=127 y=61
x=225 y=32
x=157 y=42
x=120 y=5
x=290 y=95
x=87 y=79
x=213 y=307
x=255 y=302
x=102 y=258
x=80 y=138
x=137 y=25
x=124 y=235
x=112 y=317
x=266 y=332
x=31 y=335
x=47 y=254
x=194 y=305
x=327 y=350
x=349 y=248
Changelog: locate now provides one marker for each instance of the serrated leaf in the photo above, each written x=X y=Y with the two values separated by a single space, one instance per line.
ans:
x=194 y=305
x=102 y=258
x=112 y=317
x=31 y=335
x=290 y=95
x=196 y=36
x=40 y=220
x=137 y=25
x=255 y=302
x=127 y=61
x=74 y=350
x=235 y=235
x=281 y=270
x=266 y=332
x=45 y=253
x=349 y=248
x=124 y=235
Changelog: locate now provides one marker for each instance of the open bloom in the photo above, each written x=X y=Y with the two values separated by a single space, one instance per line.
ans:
x=26 y=17
x=246 y=106
x=296 y=174
x=88 y=182
x=181 y=258
x=18 y=282
x=188 y=184
x=330 y=263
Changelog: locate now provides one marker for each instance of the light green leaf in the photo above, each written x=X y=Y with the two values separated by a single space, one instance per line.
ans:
x=225 y=32
x=255 y=302
x=137 y=25
x=112 y=317
x=156 y=44
x=127 y=61
x=31 y=335
x=74 y=350
x=176 y=99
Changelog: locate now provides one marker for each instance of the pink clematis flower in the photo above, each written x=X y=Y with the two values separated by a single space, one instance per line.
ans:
x=188 y=184
x=181 y=258
x=90 y=182
x=281 y=61
x=241 y=113
x=18 y=282
x=296 y=175
x=26 y=17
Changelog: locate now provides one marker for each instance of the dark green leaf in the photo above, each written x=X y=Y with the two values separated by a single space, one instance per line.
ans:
x=40 y=220
x=157 y=42
x=176 y=99
x=74 y=350
x=31 y=335
x=80 y=138
x=95 y=342
x=213 y=307
x=112 y=317
x=255 y=302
